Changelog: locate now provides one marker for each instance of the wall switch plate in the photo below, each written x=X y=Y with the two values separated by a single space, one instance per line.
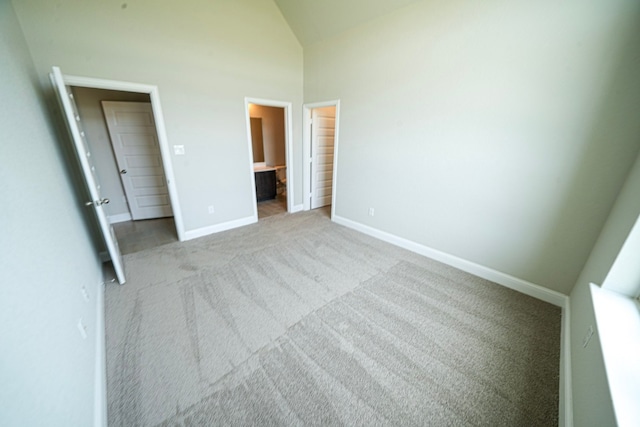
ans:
x=178 y=150
x=371 y=211
x=211 y=209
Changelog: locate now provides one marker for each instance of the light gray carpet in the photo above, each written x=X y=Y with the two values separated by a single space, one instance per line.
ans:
x=298 y=321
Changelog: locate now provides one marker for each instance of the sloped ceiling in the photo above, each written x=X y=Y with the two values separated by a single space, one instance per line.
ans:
x=316 y=20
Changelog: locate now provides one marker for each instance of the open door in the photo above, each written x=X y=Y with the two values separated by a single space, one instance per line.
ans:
x=70 y=113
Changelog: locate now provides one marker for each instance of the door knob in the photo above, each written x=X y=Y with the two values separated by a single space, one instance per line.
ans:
x=123 y=171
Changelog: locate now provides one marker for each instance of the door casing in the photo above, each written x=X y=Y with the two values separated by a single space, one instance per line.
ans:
x=306 y=153
x=288 y=132
x=154 y=96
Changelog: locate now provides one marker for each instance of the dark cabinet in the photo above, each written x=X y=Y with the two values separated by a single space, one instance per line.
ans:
x=265 y=185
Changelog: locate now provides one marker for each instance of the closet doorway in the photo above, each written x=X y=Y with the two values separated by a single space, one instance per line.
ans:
x=269 y=142
x=122 y=136
x=320 y=153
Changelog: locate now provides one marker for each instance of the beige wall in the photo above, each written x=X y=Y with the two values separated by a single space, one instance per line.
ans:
x=46 y=257
x=95 y=127
x=205 y=58
x=498 y=132
x=273 y=133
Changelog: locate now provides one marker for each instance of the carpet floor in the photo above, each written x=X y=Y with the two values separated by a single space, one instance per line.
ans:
x=299 y=321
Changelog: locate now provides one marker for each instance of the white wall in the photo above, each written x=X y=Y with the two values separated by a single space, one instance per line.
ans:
x=46 y=368
x=273 y=134
x=95 y=127
x=205 y=57
x=499 y=132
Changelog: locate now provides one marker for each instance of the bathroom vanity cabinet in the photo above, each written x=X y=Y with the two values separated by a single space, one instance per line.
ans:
x=265 y=184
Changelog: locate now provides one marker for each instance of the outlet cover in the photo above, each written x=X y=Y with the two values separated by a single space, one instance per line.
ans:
x=211 y=209
x=82 y=329
x=587 y=337
x=85 y=293
x=178 y=150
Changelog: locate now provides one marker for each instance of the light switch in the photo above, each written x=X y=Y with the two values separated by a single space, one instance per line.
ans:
x=178 y=150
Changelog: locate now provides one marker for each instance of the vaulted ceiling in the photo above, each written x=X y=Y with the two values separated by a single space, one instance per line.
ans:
x=316 y=20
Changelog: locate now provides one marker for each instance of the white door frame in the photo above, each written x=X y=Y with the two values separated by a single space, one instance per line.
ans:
x=154 y=94
x=288 y=148
x=306 y=153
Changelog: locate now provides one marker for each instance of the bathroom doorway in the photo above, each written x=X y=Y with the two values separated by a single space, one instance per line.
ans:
x=269 y=142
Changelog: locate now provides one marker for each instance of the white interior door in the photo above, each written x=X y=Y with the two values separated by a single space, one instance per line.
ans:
x=135 y=145
x=322 y=147
x=70 y=113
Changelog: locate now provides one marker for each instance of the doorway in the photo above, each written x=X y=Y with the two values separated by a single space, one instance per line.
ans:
x=320 y=148
x=129 y=164
x=269 y=137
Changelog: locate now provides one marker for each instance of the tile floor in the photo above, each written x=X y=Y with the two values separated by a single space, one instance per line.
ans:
x=135 y=236
x=272 y=207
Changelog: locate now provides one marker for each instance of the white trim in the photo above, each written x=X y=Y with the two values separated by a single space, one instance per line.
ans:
x=297 y=208
x=123 y=217
x=336 y=141
x=565 y=413
x=306 y=151
x=205 y=231
x=104 y=256
x=154 y=95
x=100 y=381
x=618 y=329
x=288 y=146
x=511 y=282
x=506 y=280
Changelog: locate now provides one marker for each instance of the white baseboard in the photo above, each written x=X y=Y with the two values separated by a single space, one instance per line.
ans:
x=565 y=418
x=205 y=231
x=511 y=282
x=114 y=219
x=104 y=256
x=297 y=208
x=100 y=381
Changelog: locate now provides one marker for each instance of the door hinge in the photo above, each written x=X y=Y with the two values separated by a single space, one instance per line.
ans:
x=100 y=202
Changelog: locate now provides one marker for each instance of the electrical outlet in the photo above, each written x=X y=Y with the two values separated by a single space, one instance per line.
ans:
x=211 y=209
x=587 y=337
x=371 y=211
x=85 y=293
x=178 y=150
x=82 y=328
